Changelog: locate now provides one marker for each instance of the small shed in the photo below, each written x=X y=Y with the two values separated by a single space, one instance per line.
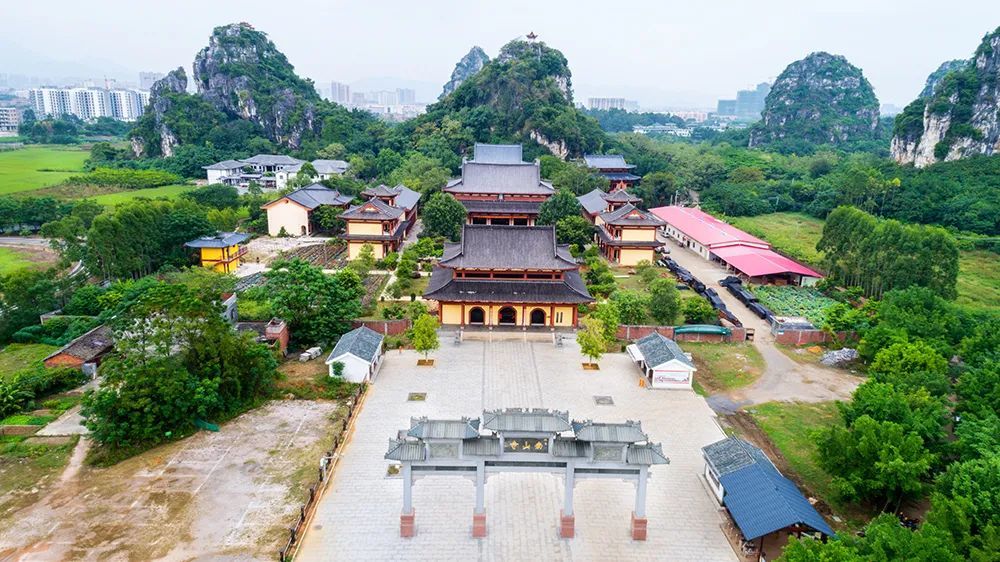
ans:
x=361 y=352
x=85 y=352
x=765 y=507
x=663 y=362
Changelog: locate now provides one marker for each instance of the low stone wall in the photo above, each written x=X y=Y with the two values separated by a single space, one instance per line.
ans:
x=384 y=327
x=19 y=429
x=634 y=332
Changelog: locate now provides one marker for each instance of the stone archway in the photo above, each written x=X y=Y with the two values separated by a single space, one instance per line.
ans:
x=477 y=315
x=537 y=317
x=507 y=316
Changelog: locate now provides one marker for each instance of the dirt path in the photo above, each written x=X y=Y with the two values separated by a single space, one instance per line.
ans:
x=783 y=379
x=226 y=495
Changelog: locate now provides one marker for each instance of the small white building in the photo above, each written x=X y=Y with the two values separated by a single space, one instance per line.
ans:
x=663 y=362
x=360 y=351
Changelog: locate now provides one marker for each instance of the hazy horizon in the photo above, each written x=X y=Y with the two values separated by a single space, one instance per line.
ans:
x=659 y=54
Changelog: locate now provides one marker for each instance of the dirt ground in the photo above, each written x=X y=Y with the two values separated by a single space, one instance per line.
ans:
x=229 y=495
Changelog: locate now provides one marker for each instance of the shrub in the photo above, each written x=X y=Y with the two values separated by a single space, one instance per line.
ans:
x=125 y=177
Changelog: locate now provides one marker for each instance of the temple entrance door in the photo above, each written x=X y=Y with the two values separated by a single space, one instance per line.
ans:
x=477 y=316
x=508 y=316
x=538 y=317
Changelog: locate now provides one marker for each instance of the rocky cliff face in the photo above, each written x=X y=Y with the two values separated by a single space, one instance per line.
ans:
x=161 y=101
x=470 y=64
x=938 y=75
x=244 y=75
x=821 y=99
x=959 y=117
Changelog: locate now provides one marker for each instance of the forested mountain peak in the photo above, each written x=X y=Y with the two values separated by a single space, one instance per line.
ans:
x=935 y=77
x=960 y=115
x=821 y=99
x=469 y=65
x=247 y=95
x=523 y=95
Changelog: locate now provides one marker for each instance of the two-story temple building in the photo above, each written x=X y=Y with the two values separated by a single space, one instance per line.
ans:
x=507 y=276
x=497 y=187
x=383 y=221
x=627 y=235
x=614 y=168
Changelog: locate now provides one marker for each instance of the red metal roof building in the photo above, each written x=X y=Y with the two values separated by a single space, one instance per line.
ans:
x=745 y=254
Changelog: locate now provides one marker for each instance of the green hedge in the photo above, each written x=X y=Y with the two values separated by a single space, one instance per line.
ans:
x=123 y=177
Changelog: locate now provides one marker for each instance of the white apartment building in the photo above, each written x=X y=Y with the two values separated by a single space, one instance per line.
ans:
x=340 y=93
x=88 y=103
x=10 y=119
x=612 y=103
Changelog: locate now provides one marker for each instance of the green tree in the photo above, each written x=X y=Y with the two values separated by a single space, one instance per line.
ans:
x=574 y=229
x=664 y=301
x=658 y=189
x=632 y=306
x=424 y=334
x=24 y=295
x=875 y=461
x=216 y=195
x=577 y=179
x=318 y=307
x=915 y=410
x=306 y=175
x=561 y=205
x=332 y=151
x=327 y=217
x=444 y=216
x=610 y=318
x=698 y=311
x=912 y=366
x=647 y=272
x=591 y=339
x=967 y=505
x=420 y=173
x=364 y=261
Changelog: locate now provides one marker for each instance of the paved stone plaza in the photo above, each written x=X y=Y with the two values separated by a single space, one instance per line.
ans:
x=358 y=518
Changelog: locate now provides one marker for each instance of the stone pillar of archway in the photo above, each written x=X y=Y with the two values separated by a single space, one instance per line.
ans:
x=567 y=520
x=479 y=514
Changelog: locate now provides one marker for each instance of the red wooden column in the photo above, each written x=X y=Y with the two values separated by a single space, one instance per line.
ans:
x=552 y=315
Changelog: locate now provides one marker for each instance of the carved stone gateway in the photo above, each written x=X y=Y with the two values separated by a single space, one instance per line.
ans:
x=520 y=440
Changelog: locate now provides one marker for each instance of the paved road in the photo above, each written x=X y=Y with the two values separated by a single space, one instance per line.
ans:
x=783 y=379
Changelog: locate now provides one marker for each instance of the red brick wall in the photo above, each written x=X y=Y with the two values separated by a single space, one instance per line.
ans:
x=626 y=332
x=384 y=327
x=63 y=360
x=808 y=337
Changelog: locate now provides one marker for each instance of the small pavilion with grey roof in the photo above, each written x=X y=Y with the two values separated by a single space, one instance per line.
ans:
x=663 y=362
x=525 y=440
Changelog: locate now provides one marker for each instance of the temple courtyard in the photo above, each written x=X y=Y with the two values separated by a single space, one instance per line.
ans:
x=359 y=516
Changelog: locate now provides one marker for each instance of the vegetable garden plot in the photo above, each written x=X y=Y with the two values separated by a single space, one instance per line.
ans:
x=794 y=301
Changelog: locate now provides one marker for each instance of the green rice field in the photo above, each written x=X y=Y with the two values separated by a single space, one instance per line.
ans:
x=168 y=191
x=34 y=167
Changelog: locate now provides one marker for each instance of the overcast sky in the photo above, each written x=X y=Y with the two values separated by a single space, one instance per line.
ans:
x=661 y=52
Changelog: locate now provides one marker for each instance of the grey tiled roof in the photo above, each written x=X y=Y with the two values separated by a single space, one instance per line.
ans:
x=621 y=176
x=380 y=190
x=606 y=161
x=508 y=248
x=90 y=345
x=481 y=447
x=443 y=287
x=407 y=198
x=373 y=209
x=498 y=153
x=330 y=166
x=628 y=432
x=526 y=419
x=273 y=160
x=424 y=428
x=220 y=240
x=363 y=343
x=593 y=202
x=405 y=450
x=520 y=179
x=733 y=453
x=651 y=453
x=658 y=349
x=621 y=196
x=630 y=215
x=312 y=196
x=517 y=207
x=225 y=165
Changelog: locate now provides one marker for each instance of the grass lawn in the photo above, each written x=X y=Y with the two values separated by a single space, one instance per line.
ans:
x=33 y=167
x=168 y=191
x=18 y=356
x=979 y=279
x=790 y=426
x=724 y=366
x=14 y=259
x=795 y=234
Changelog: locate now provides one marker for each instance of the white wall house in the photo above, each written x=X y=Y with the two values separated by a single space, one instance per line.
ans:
x=663 y=362
x=361 y=353
x=270 y=171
